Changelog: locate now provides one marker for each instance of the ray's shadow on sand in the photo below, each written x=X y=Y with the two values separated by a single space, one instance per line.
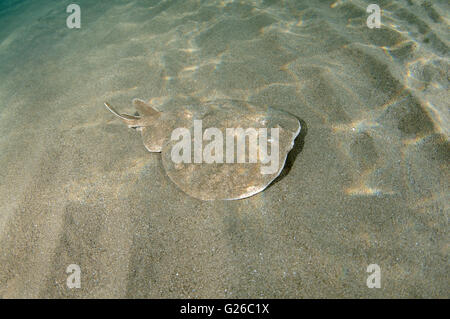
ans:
x=298 y=147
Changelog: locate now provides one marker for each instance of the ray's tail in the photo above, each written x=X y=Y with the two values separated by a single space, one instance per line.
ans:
x=131 y=120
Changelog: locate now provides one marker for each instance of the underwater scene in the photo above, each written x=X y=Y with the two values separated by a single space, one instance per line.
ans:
x=120 y=131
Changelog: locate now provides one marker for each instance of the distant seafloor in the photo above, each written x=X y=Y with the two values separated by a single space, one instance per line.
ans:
x=367 y=183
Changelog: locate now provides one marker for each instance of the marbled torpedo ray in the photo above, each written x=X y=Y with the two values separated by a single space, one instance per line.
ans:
x=209 y=173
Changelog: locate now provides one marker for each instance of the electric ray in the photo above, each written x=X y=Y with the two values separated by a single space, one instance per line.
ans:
x=220 y=149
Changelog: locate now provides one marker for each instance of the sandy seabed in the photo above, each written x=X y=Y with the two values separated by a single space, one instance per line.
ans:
x=367 y=182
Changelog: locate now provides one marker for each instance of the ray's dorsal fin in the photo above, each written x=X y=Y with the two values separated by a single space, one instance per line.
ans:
x=130 y=120
x=144 y=108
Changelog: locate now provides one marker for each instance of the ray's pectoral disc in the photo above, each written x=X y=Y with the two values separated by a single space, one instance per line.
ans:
x=222 y=149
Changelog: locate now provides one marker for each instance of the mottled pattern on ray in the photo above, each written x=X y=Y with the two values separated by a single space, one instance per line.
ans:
x=210 y=181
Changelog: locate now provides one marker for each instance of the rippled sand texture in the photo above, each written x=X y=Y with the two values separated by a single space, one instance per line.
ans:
x=369 y=184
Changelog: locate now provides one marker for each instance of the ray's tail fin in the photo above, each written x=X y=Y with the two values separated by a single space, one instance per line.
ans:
x=131 y=120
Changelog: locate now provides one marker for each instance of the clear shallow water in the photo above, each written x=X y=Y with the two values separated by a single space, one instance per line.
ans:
x=369 y=183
